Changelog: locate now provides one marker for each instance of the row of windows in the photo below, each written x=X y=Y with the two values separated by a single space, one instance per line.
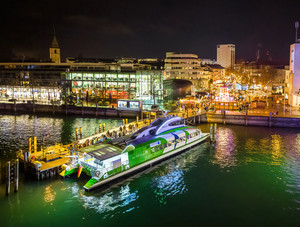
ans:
x=180 y=140
x=194 y=134
x=156 y=148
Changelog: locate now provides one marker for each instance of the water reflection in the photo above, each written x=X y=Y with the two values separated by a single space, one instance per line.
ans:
x=15 y=131
x=225 y=155
x=49 y=194
x=169 y=185
x=121 y=197
x=170 y=181
x=269 y=149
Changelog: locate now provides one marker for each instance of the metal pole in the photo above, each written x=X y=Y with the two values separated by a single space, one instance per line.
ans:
x=43 y=146
x=283 y=106
x=17 y=176
x=8 y=179
x=29 y=146
x=215 y=131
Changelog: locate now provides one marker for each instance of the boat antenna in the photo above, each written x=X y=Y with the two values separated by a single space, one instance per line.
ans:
x=164 y=112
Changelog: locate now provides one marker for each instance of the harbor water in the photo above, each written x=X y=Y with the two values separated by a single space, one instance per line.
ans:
x=249 y=177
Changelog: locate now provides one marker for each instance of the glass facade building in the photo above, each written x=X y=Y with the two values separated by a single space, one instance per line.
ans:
x=109 y=86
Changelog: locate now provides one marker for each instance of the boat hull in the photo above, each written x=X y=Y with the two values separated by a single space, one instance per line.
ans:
x=147 y=164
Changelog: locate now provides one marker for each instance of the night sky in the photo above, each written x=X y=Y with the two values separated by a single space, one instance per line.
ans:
x=139 y=29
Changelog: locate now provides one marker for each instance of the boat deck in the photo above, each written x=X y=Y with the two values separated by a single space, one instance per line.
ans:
x=102 y=151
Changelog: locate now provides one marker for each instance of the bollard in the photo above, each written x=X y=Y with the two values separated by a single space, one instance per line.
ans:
x=17 y=176
x=100 y=130
x=8 y=179
x=126 y=121
x=80 y=132
x=123 y=121
x=215 y=131
x=103 y=127
x=211 y=131
x=76 y=133
x=137 y=119
x=29 y=146
x=34 y=144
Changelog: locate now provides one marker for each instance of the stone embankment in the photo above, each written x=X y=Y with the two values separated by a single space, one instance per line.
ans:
x=24 y=108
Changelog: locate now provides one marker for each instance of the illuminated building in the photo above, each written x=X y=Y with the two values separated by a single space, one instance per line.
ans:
x=145 y=85
x=223 y=94
x=226 y=55
x=46 y=82
x=293 y=78
x=187 y=67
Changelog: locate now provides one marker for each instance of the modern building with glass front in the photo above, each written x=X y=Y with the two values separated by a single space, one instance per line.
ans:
x=106 y=87
x=81 y=83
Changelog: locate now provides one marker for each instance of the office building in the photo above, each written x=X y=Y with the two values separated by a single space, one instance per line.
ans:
x=226 y=55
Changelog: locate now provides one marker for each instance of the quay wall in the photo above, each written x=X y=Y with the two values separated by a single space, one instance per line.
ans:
x=268 y=121
x=21 y=108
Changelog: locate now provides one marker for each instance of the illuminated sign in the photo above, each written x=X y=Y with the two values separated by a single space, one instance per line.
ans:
x=129 y=104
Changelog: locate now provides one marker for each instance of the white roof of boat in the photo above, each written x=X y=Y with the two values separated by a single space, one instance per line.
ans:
x=168 y=137
x=190 y=130
x=179 y=133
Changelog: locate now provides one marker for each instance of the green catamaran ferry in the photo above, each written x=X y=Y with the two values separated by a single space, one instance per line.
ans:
x=120 y=157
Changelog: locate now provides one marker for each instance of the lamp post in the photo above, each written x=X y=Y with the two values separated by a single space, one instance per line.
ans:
x=283 y=105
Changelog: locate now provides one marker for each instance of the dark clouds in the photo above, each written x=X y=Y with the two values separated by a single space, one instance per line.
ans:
x=147 y=28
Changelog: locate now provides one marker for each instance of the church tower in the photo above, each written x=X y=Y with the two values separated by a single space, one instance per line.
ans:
x=55 y=51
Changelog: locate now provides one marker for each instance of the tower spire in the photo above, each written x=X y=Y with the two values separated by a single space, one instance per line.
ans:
x=54 y=49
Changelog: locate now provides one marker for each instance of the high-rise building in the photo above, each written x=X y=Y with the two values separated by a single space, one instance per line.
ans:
x=226 y=55
x=182 y=66
x=293 y=78
x=55 y=51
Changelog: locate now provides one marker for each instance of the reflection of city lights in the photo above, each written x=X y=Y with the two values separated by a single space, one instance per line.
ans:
x=109 y=201
x=267 y=147
x=49 y=194
x=225 y=145
x=277 y=150
x=169 y=185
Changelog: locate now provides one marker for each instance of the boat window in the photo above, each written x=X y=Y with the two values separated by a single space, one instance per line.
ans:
x=165 y=145
x=152 y=149
x=174 y=123
x=161 y=147
x=170 y=143
x=188 y=136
